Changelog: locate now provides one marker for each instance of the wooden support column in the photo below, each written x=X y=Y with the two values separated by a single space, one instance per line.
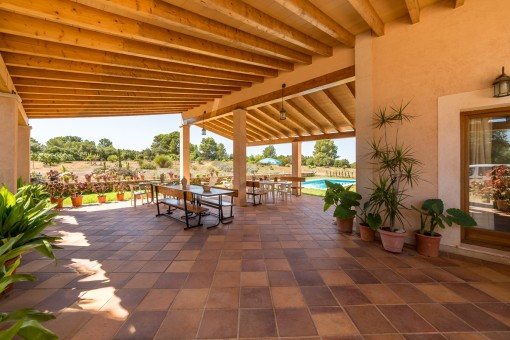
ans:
x=184 y=164
x=9 y=142
x=24 y=152
x=240 y=154
x=364 y=110
x=296 y=159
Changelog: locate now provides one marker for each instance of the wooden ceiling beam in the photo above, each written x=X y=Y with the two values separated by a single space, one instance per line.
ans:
x=107 y=109
x=30 y=100
x=251 y=133
x=95 y=114
x=263 y=125
x=52 y=64
x=60 y=93
x=458 y=3
x=253 y=128
x=220 y=132
x=109 y=87
x=31 y=73
x=107 y=106
x=369 y=15
x=343 y=112
x=275 y=109
x=297 y=109
x=413 y=7
x=309 y=12
x=274 y=113
x=85 y=17
x=322 y=112
x=337 y=135
x=169 y=16
x=352 y=88
x=270 y=122
x=7 y=86
x=259 y=20
x=13 y=23
x=34 y=47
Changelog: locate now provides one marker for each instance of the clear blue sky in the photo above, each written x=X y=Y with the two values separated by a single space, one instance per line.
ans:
x=137 y=132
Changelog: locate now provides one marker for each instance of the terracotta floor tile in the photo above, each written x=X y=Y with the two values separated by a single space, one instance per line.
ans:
x=500 y=311
x=428 y=336
x=141 y=325
x=333 y=322
x=308 y=278
x=100 y=327
x=142 y=280
x=497 y=335
x=500 y=291
x=180 y=267
x=439 y=293
x=158 y=299
x=190 y=298
x=223 y=298
x=469 y=292
x=180 y=324
x=257 y=323
x=254 y=279
x=409 y=293
x=441 y=318
x=219 y=324
x=257 y=265
x=229 y=266
x=281 y=279
x=171 y=280
x=388 y=276
x=380 y=294
x=335 y=277
x=277 y=265
x=476 y=317
x=301 y=264
x=349 y=295
x=466 y=275
x=187 y=255
x=318 y=296
x=405 y=319
x=226 y=279
x=361 y=276
x=295 y=323
x=369 y=320
x=465 y=336
x=199 y=280
x=287 y=297
x=383 y=337
x=440 y=275
x=255 y=297
x=413 y=275
x=69 y=323
x=370 y=263
x=204 y=266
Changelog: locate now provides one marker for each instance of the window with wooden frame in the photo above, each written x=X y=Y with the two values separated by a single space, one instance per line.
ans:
x=485 y=179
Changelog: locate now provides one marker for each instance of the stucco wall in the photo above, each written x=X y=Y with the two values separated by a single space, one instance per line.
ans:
x=449 y=51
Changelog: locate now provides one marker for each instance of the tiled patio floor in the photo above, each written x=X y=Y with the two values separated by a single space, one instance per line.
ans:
x=277 y=272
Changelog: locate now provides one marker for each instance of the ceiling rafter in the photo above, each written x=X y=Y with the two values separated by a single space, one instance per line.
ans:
x=52 y=64
x=322 y=112
x=413 y=7
x=309 y=12
x=94 y=114
x=459 y=3
x=170 y=16
x=28 y=99
x=89 y=18
x=261 y=21
x=34 y=47
x=297 y=109
x=267 y=118
x=251 y=128
x=14 y=23
x=343 y=112
x=336 y=135
x=369 y=15
x=275 y=110
x=352 y=88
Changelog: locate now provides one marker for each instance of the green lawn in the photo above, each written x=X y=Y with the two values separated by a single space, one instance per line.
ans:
x=92 y=198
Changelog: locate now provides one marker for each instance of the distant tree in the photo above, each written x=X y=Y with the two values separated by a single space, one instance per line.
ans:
x=341 y=163
x=221 y=152
x=500 y=147
x=163 y=161
x=269 y=152
x=104 y=143
x=168 y=143
x=208 y=149
x=194 y=154
x=324 y=152
x=310 y=161
x=35 y=146
x=284 y=160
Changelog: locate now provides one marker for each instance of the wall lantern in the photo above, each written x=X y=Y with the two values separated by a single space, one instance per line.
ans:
x=502 y=85
x=203 y=124
x=282 y=110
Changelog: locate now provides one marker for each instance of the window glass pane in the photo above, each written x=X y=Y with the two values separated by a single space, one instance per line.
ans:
x=489 y=172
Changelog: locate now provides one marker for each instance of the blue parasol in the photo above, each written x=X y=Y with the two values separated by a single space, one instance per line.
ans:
x=270 y=161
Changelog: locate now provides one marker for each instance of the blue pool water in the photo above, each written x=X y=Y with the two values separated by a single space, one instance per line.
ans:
x=321 y=183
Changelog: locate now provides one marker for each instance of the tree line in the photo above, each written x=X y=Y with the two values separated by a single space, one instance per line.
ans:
x=165 y=149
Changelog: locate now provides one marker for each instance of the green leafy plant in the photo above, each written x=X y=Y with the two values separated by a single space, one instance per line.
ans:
x=433 y=215
x=398 y=169
x=369 y=218
x=342 y=198
x=26 y=322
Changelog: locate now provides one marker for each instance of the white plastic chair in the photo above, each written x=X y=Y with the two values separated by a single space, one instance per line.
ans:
x=137 y=190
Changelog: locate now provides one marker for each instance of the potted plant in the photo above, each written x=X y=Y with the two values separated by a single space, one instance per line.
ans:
x=88 y=177
x=52 y=175
x=120 y=188
x=76 y=192
x=100 y=189
x=500 y=176
x=398 y=171
x=433 y=215
x=56 y=191
x=369 y=222
x=344 y=201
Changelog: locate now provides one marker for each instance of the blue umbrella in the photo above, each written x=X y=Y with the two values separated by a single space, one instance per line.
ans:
x=270 y=161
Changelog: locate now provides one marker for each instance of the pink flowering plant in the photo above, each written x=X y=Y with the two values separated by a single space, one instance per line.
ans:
x=55 y=189
x=501 y=183
x=100 y=188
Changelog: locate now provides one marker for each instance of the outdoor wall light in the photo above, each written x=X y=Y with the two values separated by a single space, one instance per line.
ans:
x=502 y=85
x=282 y=110
x=203 y=124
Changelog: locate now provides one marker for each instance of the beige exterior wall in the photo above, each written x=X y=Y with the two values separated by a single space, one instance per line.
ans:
x=24 y=153
x=9 y=142
x=448 y=52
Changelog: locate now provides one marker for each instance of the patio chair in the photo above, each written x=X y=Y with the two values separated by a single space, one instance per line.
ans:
x=137 y=190
x=284 y=191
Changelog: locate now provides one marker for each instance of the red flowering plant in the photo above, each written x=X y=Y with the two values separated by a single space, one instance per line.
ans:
x=76 y=189
x=100 y=188
x=55 y=189
x=120 y=187
x=52 y=175
x=501 y=183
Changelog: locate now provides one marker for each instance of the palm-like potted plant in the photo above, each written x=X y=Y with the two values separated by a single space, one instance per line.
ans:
x=344 y=201
x=398 y=171
x=433 y=215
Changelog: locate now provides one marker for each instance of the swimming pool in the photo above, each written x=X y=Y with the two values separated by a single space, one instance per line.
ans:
x=321 y=183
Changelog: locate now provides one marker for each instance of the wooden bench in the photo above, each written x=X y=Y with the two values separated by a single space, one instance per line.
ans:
x=215 y=203
x=179 y=200
x=296 y=183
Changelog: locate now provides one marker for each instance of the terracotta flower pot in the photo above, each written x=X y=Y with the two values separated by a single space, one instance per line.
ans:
x=427 y=245
x=345 y=225
x=77 y=201
x=120 y=197
x=366 y=234
x=101 y=198
x=502 y=205
x=392 y=241
x=59 y=201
